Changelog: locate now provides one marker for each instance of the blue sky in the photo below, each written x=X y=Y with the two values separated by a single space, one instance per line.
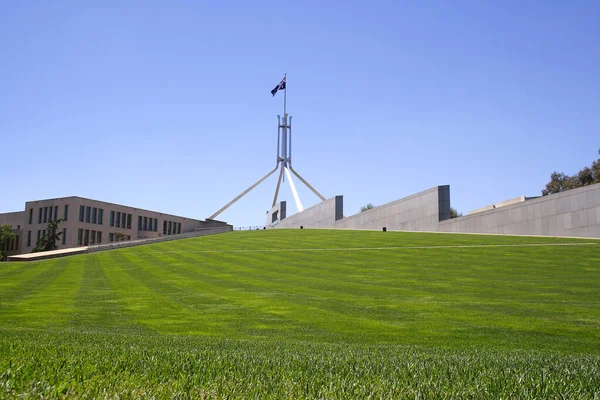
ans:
x=166 y=105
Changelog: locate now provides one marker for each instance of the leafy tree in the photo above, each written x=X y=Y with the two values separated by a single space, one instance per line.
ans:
x=48 y=241
x=119 y=237
x=454 y=213
x=596 y=170
x=6 y=234
x=367 y=207
x=559 y=182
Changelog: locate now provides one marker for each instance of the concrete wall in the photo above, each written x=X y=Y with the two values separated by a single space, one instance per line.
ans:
x=131 y=243
x=322 y=215
x=418 y=212
x=572 y=213
x=117 y=245
x=276 y=214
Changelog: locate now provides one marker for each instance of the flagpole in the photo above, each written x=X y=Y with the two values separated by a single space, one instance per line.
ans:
x=285 y=95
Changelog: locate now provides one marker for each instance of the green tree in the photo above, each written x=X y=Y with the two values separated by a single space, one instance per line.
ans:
x=454 y=213
x=596 y=169
x=6 y=234
x=120 y=237
x=559 y=182
x=367 y=207
x=48 y=241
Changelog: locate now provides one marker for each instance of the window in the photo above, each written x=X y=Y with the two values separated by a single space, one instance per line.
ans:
x=55 y=212
x=111 y=220
x=93 y=238
x=128 y=221
x=179 y=228
x=28 y=238
x=66 y=213
x=40 y=216
x=86 y=237
x=99 y=237
x=30 y=216
x=94 y=214
x=118 y=219
x=111 y=237
x=39 y=235
x=64 y=238
x=45 y=214
x=145 y=223
x=17 y=242
x=128 y=237
x=123 y=219
x=44 y=233
x=81 y=211
x=79 y=237
x=139 y=223
x=50 y=214
x=100 y=215
x=155 y=225
x=164 y=227
x=88 y=211
x=170 y=227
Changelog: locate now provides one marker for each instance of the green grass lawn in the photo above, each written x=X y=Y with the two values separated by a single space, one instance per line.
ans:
x=307 y=313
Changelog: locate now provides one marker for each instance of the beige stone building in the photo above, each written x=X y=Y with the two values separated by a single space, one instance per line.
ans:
x=87 y=222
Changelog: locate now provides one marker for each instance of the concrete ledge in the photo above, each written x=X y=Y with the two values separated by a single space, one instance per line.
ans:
x=140 y=242
x=117 y=245
x=44 y=255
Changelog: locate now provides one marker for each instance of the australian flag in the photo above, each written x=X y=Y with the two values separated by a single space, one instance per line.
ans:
x=281 y=86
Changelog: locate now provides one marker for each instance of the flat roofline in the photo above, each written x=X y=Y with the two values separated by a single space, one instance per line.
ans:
x=108 y=202
x=12 y=212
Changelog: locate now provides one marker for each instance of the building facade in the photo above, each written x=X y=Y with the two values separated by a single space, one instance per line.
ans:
x=88 y=222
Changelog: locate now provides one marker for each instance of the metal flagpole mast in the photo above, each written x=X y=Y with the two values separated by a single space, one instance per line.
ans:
x=285 y=126
x=285 y=95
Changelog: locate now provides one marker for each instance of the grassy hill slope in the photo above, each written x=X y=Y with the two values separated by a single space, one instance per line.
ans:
x=307 y=313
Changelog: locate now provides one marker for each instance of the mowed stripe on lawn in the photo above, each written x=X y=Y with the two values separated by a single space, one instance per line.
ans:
x=48 y=299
